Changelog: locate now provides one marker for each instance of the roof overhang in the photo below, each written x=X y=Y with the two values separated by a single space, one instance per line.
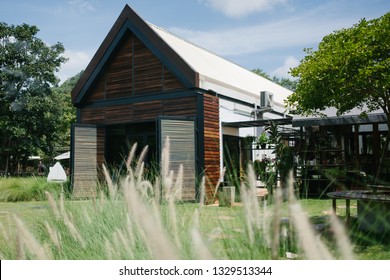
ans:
x=258 y=123
x=340 y=120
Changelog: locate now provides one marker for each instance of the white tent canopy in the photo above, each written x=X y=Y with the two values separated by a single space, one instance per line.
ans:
x=57 y=174
x=63 y=156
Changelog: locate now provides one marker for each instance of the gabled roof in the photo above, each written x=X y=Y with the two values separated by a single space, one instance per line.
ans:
x=128 y=20
x=194 y=66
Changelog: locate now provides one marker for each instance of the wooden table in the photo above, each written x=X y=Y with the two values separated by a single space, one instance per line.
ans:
x=375 y=188
x=363 y=195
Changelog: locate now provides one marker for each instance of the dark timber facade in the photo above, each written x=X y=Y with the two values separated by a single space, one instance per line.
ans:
x=137 y=89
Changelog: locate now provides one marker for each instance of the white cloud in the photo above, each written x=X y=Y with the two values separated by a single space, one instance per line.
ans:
x=306 y=30
x=257 y=38
x=78 y=60
x=84 y=5
x=283 y=71
x=241 y=8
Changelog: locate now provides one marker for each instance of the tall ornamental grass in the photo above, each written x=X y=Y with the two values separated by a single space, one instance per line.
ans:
x=27 y=189
x=137 y=219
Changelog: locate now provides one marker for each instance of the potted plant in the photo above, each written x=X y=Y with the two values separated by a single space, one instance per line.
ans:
x=262 y=140
x=248 y=141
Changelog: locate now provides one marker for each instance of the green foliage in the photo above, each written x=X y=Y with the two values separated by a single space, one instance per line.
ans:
x=263 y=138
x=262 y=73
x=223 y=227
x=134 y=222
x=29 y=112
x=351 y=68
x=284 y=82
x=284 y=154
x=62 y=94
x=26 y=189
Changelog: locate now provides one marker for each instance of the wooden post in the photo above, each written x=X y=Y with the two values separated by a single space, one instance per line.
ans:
x=347 y=212
x=356 y=144
x=334 y=205
x=376 y=147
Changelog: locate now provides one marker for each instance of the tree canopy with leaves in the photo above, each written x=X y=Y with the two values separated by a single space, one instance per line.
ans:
x=350 y=69
x=29 y=112
x=63 y=95
x=284 y=82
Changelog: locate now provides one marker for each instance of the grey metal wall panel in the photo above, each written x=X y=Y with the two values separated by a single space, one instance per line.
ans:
x=181 y=135
x=85 y=177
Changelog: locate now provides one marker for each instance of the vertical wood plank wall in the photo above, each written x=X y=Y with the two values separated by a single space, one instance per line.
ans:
x=211 y=144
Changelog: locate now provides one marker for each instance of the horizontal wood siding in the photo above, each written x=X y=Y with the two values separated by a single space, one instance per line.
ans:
x=211 y=143
x=132 y=70
x=92 y=115
x=147 y=110
x=99 y=91
x=118 y=74
x=170 y=81
x=136 y=112
x=84 y=171
x=119 y=114
x=148 y=71
x=185 y=107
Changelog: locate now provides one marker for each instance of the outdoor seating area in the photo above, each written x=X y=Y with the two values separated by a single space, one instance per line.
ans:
x=337 y=158
x=326 y=154
x=373 y=207
x=339 y=153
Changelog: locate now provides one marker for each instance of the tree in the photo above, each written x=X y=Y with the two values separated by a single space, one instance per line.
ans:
x=63 y=95
x=28 y=110
x=350 y=69
x=262 y=73
x=284 y=82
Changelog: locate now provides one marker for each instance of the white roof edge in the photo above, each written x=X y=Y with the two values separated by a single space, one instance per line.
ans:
x=155 y=27
x=205 y=80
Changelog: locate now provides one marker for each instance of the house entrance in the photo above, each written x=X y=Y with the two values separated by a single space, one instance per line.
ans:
x=120 y=139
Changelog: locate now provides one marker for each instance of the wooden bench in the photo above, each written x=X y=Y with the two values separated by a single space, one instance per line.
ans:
x=377 y=188
x=375 y=196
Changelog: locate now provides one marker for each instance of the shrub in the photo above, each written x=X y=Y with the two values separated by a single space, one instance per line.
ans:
x=26 y=189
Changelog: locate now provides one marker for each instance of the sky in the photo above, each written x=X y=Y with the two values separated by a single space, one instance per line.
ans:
x=266 y=34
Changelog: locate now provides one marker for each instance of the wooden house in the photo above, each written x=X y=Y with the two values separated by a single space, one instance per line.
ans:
x=145 y=84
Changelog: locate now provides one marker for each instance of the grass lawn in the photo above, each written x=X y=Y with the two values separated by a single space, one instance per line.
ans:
x=30 y=212
x=222 y=228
